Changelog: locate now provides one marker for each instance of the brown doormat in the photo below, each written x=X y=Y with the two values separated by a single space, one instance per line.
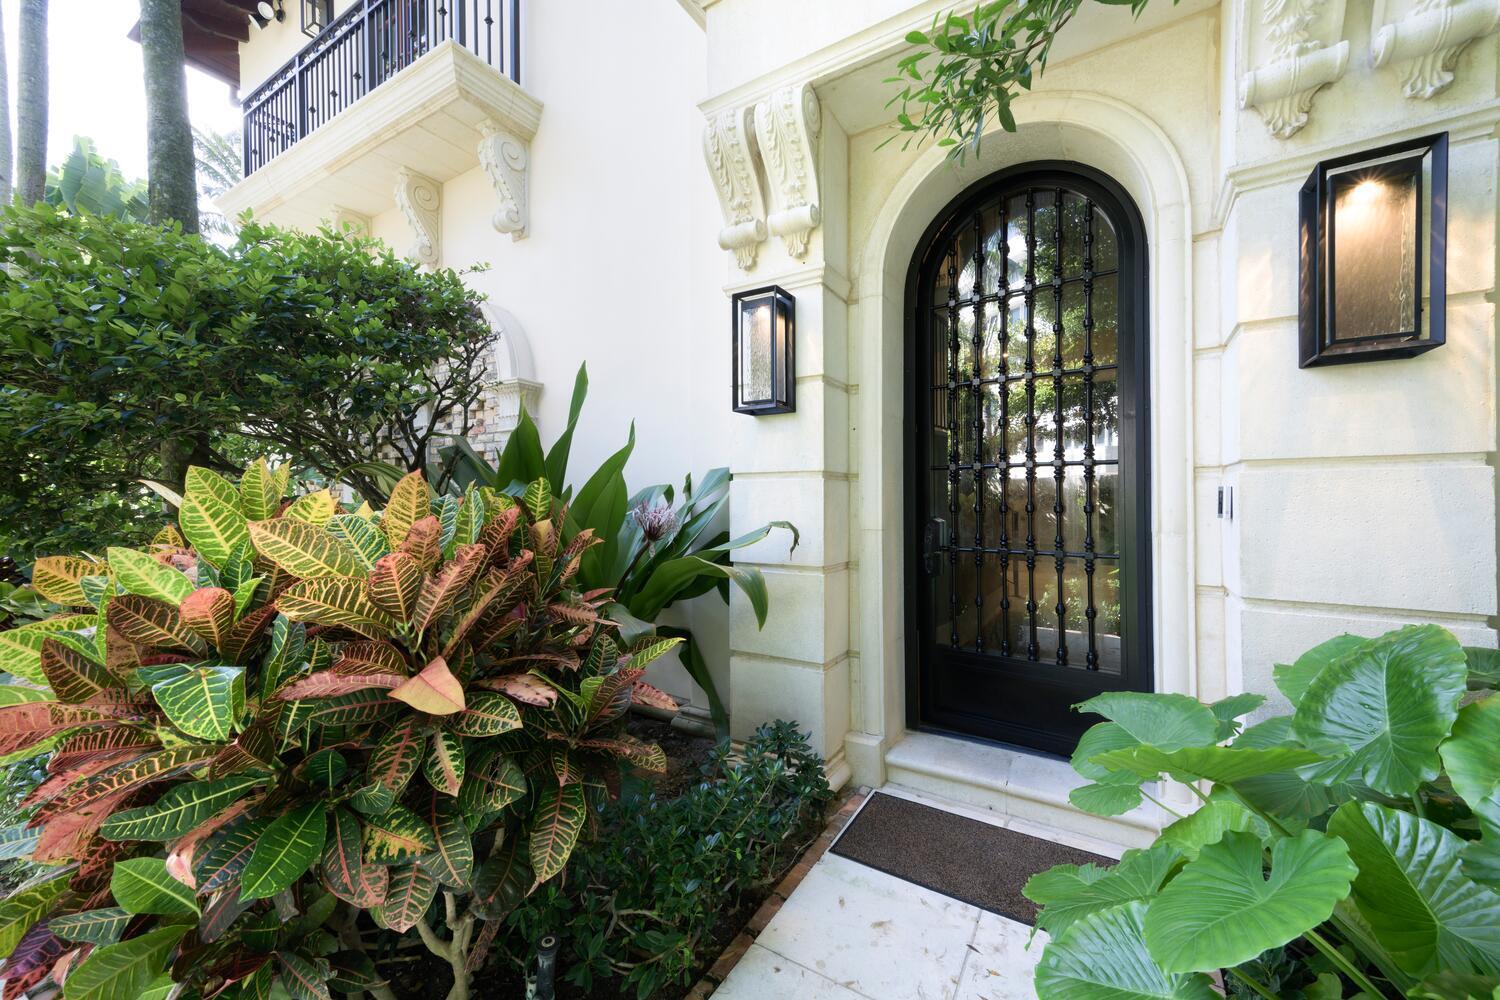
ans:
x=974 y=862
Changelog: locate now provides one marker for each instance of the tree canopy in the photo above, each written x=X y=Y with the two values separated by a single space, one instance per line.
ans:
x=117 y=338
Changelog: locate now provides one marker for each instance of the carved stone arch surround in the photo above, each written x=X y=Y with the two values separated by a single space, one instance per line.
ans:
x=1123 y=142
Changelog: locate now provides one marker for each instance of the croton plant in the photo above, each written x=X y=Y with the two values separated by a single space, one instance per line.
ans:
x=283 y=716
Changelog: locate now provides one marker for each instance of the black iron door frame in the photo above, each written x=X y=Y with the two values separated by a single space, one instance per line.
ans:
x=1134 y=416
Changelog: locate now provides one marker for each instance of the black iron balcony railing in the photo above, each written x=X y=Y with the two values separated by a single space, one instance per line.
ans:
x=361 y=49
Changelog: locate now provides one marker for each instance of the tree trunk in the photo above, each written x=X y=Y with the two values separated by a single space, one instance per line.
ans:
x=6 y=180
x=31 y=104
x=171 y=180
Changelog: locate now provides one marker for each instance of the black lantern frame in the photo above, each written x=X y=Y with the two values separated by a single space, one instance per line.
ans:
x=1421 y=166
x=316 y=15
x=781 y=393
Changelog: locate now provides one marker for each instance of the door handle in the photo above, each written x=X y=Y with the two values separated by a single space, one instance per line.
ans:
x=934 y=537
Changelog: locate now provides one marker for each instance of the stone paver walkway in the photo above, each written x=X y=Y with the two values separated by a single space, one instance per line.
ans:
x=849 y=932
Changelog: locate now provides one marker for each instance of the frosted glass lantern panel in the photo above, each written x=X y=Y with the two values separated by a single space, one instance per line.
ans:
x=757 y=330
x=1375 y=251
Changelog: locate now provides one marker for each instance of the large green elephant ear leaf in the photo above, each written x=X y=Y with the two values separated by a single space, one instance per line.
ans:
x=1413 y=894
x=1165 y=721
x=1223 y=909
x=1290 y=796
x=1387 y=705
x=1068 y=893
x=1111 y=792
x=1457 y=986
x=1208 y=825
x=1104 y=957
x=1484 y=668
x=1293 y=679
x=1472 y=754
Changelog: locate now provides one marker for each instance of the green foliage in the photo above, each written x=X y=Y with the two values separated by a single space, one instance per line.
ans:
x=659 y=547
x=672 y=868
x=967 y=68
x=264 y=736
x=1345 y=850
x=88 y=182
x=127 y=346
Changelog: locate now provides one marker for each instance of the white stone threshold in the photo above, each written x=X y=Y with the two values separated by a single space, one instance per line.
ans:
x=1017 y=785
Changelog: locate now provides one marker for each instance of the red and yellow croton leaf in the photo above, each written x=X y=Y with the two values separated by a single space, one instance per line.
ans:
x=57 y=579
x=424 y=543
x=72 y=676
x=525 y=688
x=646 y=694
x=444 y=764
x=362 y=658
x=411 y=893
x=442 y=589
x=408 y=505
x=397 y=756
x=208 y=613
x=555 y=827
x=151 y=767
x=435 y=690
x=394 y=584
x=647 y=756
x=146 y=621
x=396 y=836
x=343 y=868
x=23 y=726
x=329 y=683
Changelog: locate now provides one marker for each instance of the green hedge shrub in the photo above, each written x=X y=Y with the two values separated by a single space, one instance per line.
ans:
x=643 y=902
x=128 y=351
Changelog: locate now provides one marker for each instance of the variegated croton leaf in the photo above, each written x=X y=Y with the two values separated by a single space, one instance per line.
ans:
x=237 y=715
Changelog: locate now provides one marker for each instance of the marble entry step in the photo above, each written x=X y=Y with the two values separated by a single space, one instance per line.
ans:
x=850 y=932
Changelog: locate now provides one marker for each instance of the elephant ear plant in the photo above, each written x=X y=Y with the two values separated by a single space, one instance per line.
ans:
x=284 y=726
x=658 y=547
x=1356 y=839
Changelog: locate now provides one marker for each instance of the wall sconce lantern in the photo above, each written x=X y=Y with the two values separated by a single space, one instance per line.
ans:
x=266 y=12
x=315 y=16
x=1374 y=254
x=765 y=372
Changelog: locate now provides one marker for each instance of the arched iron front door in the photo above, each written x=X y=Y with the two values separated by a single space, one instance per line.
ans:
x=1029 y=573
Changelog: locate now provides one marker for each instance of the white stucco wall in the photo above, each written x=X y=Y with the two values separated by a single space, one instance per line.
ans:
x=1364 y=495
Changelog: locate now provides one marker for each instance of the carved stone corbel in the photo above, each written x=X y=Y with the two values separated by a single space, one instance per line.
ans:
x=1427 y=39
x=787 y=126
x=344 y=220
x=420 y=199
x=505 y=159
x=729 y=149
x=1305 y=53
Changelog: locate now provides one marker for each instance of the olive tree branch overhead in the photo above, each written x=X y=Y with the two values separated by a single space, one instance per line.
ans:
x=968 y=68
